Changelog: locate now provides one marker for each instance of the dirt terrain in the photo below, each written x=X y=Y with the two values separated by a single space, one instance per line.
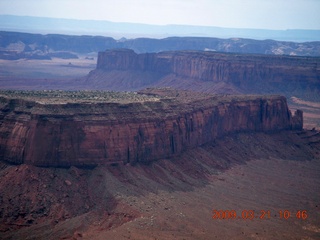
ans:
x=174 y=198
x=47 y=69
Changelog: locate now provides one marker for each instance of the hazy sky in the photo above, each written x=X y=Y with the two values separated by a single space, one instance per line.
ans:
x=267 y=14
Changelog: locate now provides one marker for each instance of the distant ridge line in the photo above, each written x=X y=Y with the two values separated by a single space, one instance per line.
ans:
x=15 y=45
x=45 y=25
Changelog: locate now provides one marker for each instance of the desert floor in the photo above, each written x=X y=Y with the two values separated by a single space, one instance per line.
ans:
x=257 y=175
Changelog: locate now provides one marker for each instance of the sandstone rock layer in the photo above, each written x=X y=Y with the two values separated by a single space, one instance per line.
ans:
x=245 y=72
x=87 y=134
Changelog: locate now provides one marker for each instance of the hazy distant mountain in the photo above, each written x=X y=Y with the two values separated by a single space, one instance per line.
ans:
x=133 y=30
x=15 y=45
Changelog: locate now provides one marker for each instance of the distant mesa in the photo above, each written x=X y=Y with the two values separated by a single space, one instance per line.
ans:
x=123 y=69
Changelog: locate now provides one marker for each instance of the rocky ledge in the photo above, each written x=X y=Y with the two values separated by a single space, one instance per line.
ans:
x=123 y=69
x=62 y=129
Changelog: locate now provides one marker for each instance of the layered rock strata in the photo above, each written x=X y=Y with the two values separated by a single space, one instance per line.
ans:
x=87 y=134
x=248 y=72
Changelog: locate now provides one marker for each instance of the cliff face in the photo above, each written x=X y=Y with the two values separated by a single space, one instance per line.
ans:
x=126 y=59
x=247 y=73
x=103 y=133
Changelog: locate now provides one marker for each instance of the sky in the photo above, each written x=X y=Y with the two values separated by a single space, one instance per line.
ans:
x=258 y=14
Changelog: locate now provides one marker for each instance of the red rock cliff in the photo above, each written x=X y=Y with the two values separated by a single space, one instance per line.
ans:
x=245 y=71
x=126 y=59
x=86 y=134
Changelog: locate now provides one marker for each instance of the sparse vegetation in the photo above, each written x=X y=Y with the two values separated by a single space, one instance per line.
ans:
x=147 y=95
x=61 y=97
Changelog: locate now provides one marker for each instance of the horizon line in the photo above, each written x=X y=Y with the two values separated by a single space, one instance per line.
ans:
x=160 y=25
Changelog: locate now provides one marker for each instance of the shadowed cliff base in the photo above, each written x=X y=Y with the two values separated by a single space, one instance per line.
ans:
x=172 y=199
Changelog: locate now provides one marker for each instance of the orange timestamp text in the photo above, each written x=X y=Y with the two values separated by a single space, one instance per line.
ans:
x=262 y=214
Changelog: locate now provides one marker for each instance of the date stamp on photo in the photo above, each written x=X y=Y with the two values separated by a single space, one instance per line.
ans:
x=261 y=214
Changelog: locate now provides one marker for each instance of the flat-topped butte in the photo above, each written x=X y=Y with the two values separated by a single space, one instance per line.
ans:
x=159 y=123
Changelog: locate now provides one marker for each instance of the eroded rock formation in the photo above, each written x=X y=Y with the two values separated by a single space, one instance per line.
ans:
x=87 y=134
x=246 y=73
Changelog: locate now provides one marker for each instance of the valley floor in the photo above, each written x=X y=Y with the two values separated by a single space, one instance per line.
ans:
x=174 y=198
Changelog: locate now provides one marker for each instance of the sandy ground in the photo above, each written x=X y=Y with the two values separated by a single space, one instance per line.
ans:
x=260 y=185
x=61 y=74
x=254 y=174
x=47 y=69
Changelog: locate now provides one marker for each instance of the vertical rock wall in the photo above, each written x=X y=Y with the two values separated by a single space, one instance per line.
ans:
x=28 y=134
x=243 y=70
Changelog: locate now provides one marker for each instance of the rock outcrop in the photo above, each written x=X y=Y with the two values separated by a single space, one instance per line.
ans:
x=246 y=73
x=87 y=134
